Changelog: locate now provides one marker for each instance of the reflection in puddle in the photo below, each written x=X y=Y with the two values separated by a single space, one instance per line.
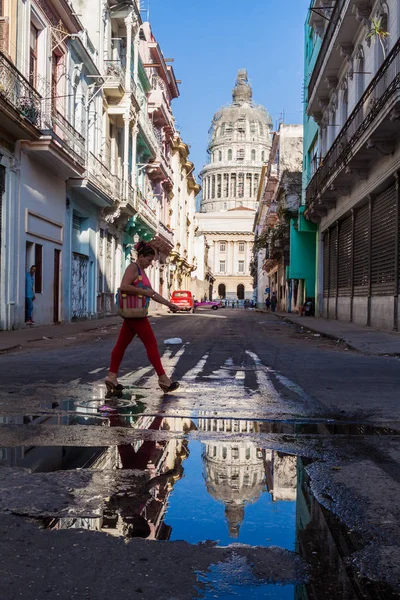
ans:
x=235 y=579
x=225 y=491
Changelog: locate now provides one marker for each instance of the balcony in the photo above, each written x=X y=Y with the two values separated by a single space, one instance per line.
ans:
x=373 y=123
x=114 y=78
x=166 y=233
x=98 y=184
x=65 y=136
x=149 y=132
x=18 y=96
x=159 y=108
x=146 y=212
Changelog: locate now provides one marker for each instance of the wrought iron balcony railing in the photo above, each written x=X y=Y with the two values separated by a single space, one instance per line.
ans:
x=329 y=32
x=382 y=87
x=69 y=137
x=149 y=131
x=166 y=232
x=101 y=176
x=114 y=71
x=146 y=212
x=19 y=93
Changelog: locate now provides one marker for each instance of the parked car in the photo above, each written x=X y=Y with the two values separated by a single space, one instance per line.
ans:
x=213 y=304
x=183 y=299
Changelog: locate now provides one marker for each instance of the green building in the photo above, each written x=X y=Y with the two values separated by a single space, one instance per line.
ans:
x=303 y=233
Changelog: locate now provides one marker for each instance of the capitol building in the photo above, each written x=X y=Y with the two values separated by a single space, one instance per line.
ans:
x=239 y=146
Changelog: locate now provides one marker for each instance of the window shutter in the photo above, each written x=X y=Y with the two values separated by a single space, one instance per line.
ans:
x=333 y=262
x=361 y=249
x=344 y=251
x=326 y=264
x=383 y=242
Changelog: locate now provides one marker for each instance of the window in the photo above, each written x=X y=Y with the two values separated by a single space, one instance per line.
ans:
x=219 y=155
x=241 y=185
x=235 y=453
x=33 y=55
x=39 y=268
x=222 y=266
x=226 y=185
x=262 y=156
x=241 y=266
x=253 y=155
x=233 y=185
x=313 y=157
x=241 y=246
x=219 y=186
x=223 y=129
x=253 y=127
x=213 y=187
x=55 y=78
x=261 y=129
x=248 y=185
x=222 y=246
x=240 y=154
x=229 y=154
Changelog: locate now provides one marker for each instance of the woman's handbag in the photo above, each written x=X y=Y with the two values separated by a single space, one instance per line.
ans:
x=133 y=306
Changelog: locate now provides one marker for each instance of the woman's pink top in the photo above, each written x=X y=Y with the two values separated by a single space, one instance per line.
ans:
x=142 y=277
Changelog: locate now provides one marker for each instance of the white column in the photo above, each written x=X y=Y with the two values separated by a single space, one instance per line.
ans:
x=126 y=146
x=134 y=145
x=136 y=58
x=128 y=25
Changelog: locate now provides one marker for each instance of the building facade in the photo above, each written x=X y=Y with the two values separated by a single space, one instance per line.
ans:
x=239 y=145
x=354 y=193
x=277 y=217
x=86 y=145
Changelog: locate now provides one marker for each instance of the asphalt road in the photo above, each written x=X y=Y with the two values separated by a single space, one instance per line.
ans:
x=279 y=440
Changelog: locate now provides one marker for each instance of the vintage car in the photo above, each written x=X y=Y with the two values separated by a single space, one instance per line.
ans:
x=213 y=304
x=183 y=299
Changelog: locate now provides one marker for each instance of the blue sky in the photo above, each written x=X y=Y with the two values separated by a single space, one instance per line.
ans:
x=211 y=39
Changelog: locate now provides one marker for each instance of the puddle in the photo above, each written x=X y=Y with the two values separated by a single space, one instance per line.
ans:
x=227 y=492
x=222 y=581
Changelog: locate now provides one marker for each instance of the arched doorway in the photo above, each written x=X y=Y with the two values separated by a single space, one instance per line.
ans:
x=240 y=291
x=221 y=290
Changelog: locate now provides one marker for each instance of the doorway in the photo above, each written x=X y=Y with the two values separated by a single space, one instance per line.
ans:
x=240 y=291
x=56 y=288
x=221 y=290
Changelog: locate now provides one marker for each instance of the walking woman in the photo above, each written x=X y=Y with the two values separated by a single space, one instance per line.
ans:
x=136 y=283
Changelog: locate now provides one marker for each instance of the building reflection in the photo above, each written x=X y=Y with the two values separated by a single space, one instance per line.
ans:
x=237 y=473
x=136 y=509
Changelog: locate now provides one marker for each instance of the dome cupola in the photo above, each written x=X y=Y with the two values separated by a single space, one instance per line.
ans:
x=242 y=91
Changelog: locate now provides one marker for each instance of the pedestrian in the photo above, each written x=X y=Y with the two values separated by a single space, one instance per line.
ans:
x=136 y=283
x=268 y=302
x=274 y=302
x=29 y=294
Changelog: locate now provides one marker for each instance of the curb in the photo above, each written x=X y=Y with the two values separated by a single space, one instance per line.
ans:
x=58 y=336
x=330 y=336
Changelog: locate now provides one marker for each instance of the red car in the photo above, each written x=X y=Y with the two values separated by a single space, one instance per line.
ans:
x=213 y=304
x=183 y=299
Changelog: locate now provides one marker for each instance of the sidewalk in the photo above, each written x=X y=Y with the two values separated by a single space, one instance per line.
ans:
x=364 y=339
x=10 y=340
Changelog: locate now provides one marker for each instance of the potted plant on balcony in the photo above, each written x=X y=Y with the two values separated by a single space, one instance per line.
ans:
x=378 y=32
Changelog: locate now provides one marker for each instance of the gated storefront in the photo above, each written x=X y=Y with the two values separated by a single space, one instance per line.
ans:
x=361 y=263
x=79 y=288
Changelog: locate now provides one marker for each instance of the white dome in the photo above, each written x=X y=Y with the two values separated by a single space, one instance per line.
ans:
x=240 y=141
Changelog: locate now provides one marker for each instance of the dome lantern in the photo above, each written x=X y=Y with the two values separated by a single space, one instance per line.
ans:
x=242 y=91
